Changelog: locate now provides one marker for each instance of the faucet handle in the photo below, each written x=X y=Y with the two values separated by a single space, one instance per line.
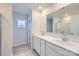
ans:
x=65 y=39
x=72 y=33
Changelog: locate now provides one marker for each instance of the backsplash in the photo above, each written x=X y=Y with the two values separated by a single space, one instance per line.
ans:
x=53 y=34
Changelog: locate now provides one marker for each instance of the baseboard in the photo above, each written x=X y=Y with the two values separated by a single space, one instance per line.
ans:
x=36 y=52
x=19 y=44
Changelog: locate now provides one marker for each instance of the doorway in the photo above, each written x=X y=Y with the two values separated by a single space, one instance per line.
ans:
x=22 y=33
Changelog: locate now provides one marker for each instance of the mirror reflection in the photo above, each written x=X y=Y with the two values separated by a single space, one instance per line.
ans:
x=65 y=20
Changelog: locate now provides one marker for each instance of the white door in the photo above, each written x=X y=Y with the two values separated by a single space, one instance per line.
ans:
x=19 y=31
x=42 y=49
x=36 y=43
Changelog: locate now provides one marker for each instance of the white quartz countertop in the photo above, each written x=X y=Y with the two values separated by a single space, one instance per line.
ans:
x=68 y=45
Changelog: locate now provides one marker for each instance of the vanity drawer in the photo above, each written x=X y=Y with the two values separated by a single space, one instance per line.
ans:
x=60 y=50
x=42 y=41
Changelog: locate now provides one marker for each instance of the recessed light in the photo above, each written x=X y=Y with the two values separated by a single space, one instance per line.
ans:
x=40 y=7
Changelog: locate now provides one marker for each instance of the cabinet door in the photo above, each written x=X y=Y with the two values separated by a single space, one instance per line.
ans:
x=59 y=50
x=42 y=49
x=50 y=52
x=36 y=42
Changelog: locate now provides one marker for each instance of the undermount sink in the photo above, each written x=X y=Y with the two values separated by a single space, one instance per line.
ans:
x=66 y=43
x=60 y=41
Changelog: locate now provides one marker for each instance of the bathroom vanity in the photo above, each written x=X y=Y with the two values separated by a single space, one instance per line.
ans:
x=51 y=46
x=64 y=21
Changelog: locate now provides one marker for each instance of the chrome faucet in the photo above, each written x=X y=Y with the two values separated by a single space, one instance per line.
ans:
x=64 y=37
x=42 y=33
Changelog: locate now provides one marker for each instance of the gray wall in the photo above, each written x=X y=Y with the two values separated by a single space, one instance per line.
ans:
x=19 y=34
x=49 y=23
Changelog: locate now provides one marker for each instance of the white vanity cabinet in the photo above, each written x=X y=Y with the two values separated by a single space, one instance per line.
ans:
x=50 y=51
x=46 y=48
x=36 y=44
x=43 y=48
x=53 y=50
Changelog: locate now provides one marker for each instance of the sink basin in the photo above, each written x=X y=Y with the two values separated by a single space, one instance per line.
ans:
x=66 y=43
x=59 y=41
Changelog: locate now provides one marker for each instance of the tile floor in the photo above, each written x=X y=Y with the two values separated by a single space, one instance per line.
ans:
x=23 y=50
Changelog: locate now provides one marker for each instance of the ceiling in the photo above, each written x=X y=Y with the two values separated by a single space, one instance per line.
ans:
x=27 y=7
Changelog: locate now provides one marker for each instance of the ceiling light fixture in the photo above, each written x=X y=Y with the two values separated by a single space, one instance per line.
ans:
x=40 y=8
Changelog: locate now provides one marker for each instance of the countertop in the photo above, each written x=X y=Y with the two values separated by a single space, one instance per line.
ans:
x=68 y=45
